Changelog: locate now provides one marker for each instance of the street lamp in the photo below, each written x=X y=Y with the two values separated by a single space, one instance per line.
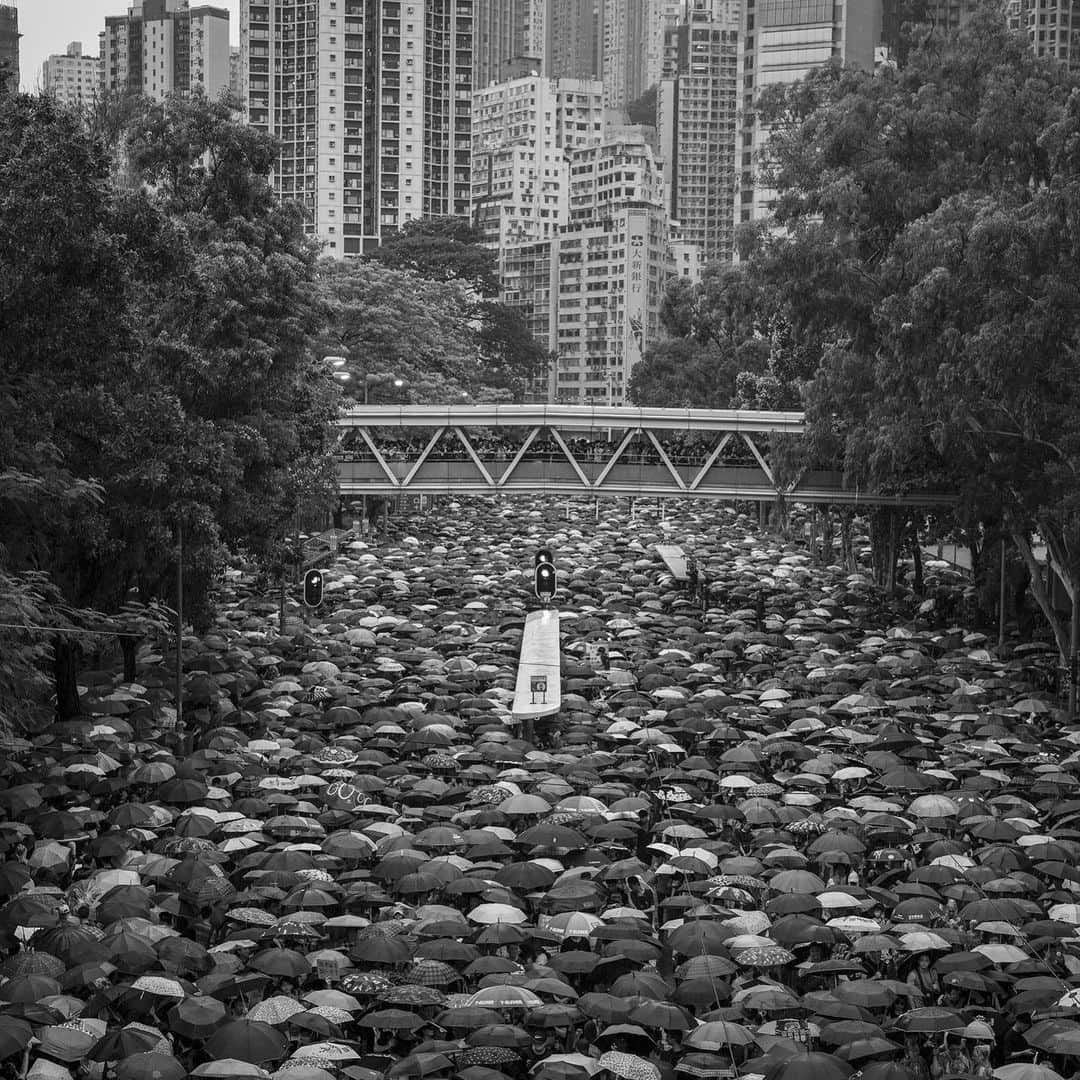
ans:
x=337 y=363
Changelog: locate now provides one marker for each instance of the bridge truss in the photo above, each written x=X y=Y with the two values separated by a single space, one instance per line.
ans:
x=575 y=450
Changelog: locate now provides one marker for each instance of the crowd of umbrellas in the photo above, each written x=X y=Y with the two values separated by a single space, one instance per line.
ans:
x=798 y=834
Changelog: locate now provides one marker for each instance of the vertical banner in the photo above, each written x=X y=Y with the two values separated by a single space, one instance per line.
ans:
x=635 y=307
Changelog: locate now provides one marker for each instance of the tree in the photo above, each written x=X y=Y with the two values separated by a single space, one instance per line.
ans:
x=929 y=223
x=71 y=255
x=717 y=328
x=643 y=109
x=155 y=350
x=677 y=373
x=235 y=343
x=447 y=249
x=511 y=359
x=397 y=325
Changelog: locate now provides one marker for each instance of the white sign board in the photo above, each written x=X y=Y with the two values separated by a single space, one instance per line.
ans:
x=539 y=680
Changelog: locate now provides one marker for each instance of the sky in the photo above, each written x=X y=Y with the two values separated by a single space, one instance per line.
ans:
x=48 y=25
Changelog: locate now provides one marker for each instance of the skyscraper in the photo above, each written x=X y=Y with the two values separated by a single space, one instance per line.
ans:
x=523 y=134
x=70 y=77
x=507 y=35
x=661 y=17
x=9 y=47
x=612 y=260
x=781 y=41
x=371 y=101
x=697 y=107
x=623 y=40
x=162 y=46
x=574 y=39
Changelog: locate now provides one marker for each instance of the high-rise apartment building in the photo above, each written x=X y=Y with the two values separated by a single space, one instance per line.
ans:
x=509 y=37
x=624 y=40
x=575 y=48
x=780 y=42
x=662 y=16
x=9 y=46
x=70 y=77
x=371 y=102
x=697 y=121
x=1052 y=27
x=611 y=263
x=944 y=16
x=164 y=46
x=523 y=134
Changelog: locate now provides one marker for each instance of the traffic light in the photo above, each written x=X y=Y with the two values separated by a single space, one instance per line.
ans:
x=313 y=583
x=545 y=577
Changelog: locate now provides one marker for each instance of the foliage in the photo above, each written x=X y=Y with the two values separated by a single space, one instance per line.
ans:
x=234 y=343
x=677 y=373
x=447 y=249
x=929 y=250
x=511 y=359
x=155 y=351
x=643 y=109
x=396 y=325
x=719 y=328
x=506 y=361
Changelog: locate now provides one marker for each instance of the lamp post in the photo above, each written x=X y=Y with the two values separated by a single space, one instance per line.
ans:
x=337 y=363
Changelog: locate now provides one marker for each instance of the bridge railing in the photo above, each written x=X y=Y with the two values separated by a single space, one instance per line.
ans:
x=570 y=449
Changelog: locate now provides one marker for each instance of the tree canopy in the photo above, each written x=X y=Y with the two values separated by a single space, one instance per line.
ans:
x=155 y=369
x=507 y=362
x=447 y=249
x=928 y=253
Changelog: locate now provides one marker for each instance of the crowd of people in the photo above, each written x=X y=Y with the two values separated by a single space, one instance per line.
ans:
x=794 y=834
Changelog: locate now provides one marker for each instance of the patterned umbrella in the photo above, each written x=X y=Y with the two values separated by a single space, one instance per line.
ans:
x=32 y=963
x=275 y=1010
x=368 y=984
x=158 y=986
x=328 y=1012
x=765 y=956
x=488 y=795
x=491 y=1055
x=706 y=1066
x=334 y=755
x=413 y=995
x=629 y=1066
x=431 y=973
x=250 y=916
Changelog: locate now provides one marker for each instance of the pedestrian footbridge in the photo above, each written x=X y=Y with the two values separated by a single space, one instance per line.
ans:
x=575 y=450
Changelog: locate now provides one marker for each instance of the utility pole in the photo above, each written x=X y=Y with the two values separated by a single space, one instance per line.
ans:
x=179 y=621
x=1074 y=652
x=1001 y=596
